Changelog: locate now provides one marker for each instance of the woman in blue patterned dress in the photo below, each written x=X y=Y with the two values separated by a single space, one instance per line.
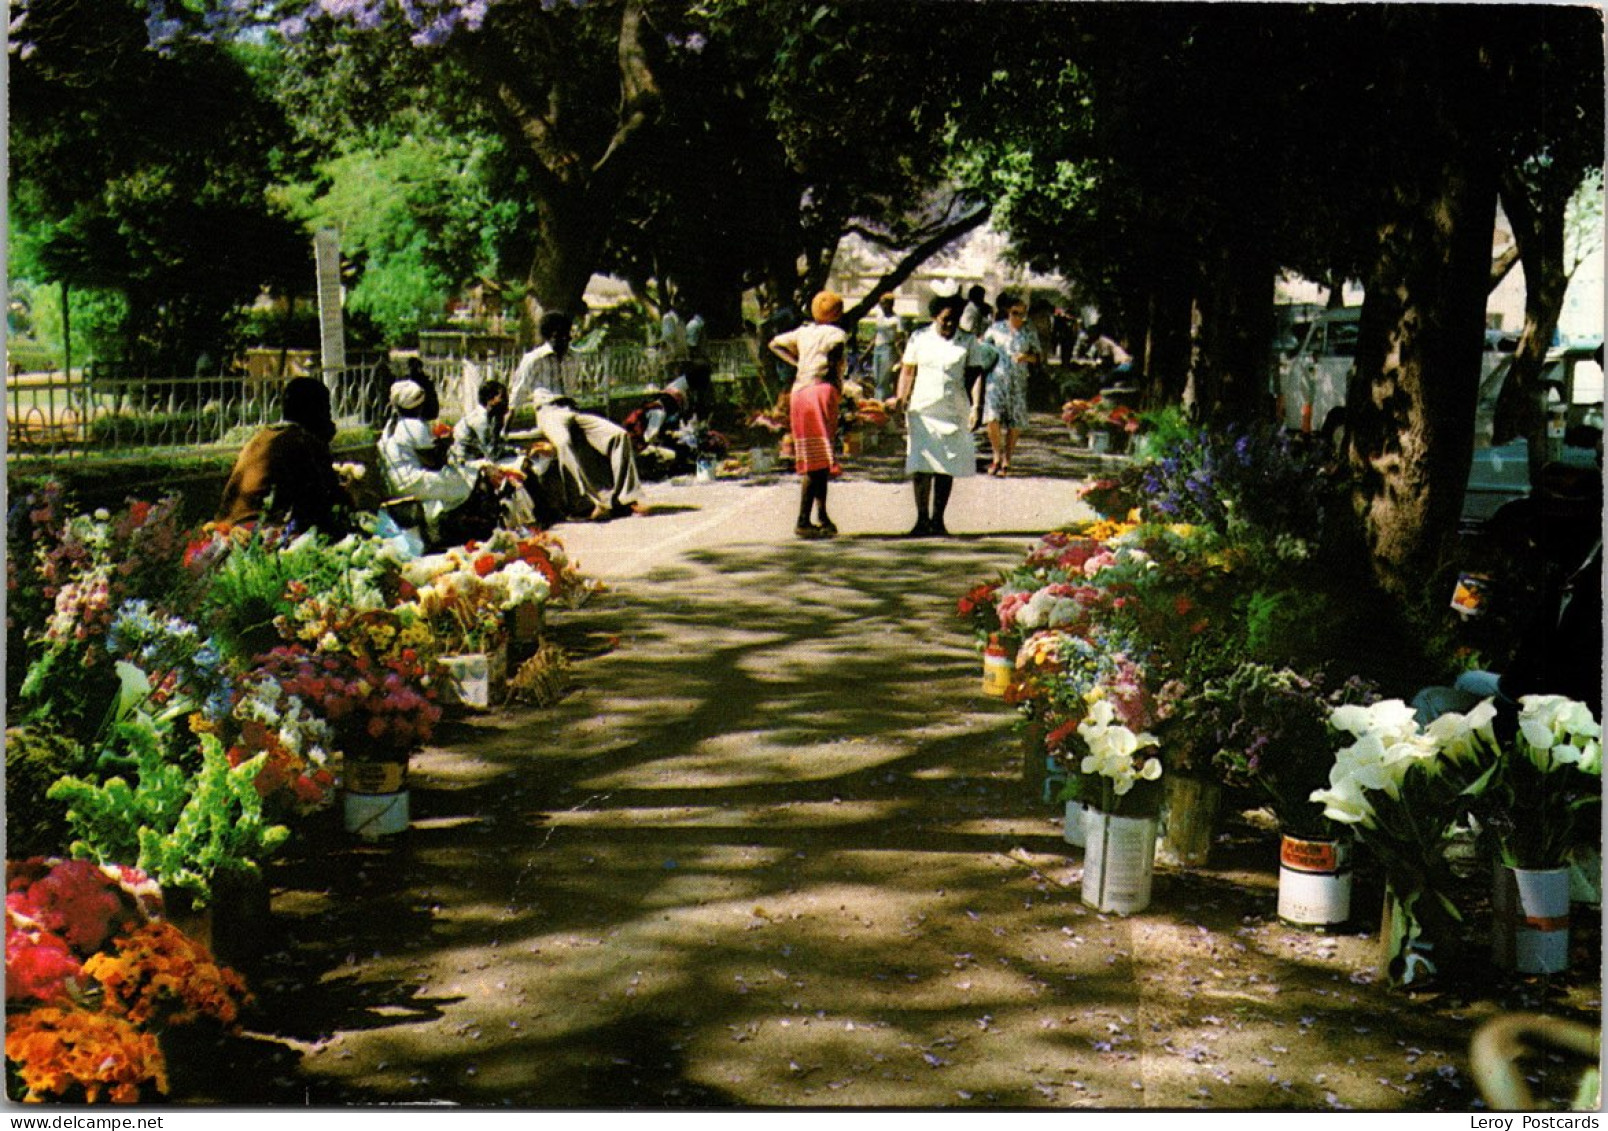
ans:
x=1017 y=346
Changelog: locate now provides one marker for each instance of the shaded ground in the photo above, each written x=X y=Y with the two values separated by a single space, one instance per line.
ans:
x=775 y=850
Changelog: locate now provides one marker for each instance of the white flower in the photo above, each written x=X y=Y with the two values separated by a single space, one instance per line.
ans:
x=1559 y=731
x=1465 y=736
x=1343 y=801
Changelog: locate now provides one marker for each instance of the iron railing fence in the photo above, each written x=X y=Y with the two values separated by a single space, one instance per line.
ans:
x=107 y=410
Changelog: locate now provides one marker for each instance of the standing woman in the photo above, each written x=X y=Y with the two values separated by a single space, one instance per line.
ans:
x=817 y=350
x=938 y=365
x=1005 y=393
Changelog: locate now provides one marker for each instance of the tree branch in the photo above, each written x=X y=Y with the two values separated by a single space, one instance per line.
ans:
x=1503 y=264
x=917 y=255
x=639 y=91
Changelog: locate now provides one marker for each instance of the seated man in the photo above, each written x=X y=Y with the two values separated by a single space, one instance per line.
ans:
x=594 y=454
x=286 y=471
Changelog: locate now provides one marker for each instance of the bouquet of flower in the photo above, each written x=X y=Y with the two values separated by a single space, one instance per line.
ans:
x=1540 y=777
x=82 y=568
x=92 y=972
x=978 y=609
x=1119 y=778
x=1268 y=728
x=1097 y=412
x=379 y=708
x=1403 y=791
x=294 y=777
x=1255 y=483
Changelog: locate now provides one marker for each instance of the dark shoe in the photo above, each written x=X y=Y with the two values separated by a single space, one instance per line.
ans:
x=600 y=514
x=828 y=528
x=922 y=529
x=806 y=530
x=625 y=510
x=937 y=528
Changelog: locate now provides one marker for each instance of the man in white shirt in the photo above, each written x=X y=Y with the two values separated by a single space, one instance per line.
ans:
x=695 y=335
x=885 y=339
x=594 y=454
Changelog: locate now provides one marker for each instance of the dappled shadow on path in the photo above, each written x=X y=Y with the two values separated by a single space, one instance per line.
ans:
x=773 y=850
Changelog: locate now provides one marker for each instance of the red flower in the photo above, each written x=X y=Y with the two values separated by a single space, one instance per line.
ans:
x=38 y=965
x=485 y=564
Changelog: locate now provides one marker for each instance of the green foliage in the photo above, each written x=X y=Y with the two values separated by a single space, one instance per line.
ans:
x=36 y=758
x=183 y=830
x=416 y=213
x=1162 y=428
x=143 y=174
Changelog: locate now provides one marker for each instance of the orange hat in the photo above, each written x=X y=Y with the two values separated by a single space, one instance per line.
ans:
x=826 y=306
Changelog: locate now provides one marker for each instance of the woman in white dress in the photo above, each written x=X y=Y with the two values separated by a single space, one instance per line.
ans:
x=937 y=367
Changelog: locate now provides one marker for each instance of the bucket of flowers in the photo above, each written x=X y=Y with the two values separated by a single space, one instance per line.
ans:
x=1537 y=804
x=101 y=987
x=1266 y=728
x=1404 y=791
x=1121 y=787
x=1104 y=425
x=371 y=680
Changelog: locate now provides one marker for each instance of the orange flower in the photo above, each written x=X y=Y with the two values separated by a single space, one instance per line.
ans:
x=156 y=973
x=55 y=1050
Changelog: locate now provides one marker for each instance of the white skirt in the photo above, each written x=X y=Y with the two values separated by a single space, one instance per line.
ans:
x=939 y=444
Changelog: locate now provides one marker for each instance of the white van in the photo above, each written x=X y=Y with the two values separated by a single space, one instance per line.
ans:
x=1313 y=376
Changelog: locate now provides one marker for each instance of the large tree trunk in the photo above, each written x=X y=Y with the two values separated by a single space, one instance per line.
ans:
x=1168 y=347
x=568 y=244
x=1231 y=382
x=1410 y=407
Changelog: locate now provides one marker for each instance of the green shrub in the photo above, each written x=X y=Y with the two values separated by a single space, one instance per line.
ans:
x=36 y=759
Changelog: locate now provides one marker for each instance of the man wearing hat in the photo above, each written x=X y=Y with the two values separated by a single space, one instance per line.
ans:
x=594 y=454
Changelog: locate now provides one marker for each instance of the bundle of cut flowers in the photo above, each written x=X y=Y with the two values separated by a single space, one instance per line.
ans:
x=379 y=706
x=1119 y=777
x=1542 y=786
x=774 y=419
x=1404 y=791
x=1097 y=412
x=93 y=976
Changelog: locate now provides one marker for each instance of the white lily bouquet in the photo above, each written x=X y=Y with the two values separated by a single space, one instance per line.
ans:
x=1539 y=780
x=1115 y=765
x=1404 y=789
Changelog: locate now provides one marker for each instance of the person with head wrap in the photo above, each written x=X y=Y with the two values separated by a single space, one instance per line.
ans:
x=287 y=472
x=596 y=459
x=415 y=459
x=817 y=350
x=938 y=363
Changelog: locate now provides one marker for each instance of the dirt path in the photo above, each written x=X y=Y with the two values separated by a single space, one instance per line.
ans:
x=774 y=851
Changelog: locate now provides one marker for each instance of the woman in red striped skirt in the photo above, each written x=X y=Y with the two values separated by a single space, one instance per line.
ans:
x=817 y=349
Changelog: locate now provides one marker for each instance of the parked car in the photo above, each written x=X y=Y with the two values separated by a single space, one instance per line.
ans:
x=1500 y=473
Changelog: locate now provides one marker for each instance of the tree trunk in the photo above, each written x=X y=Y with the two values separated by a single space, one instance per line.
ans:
x=568 y=244
x=1167 y=345
x=1538 y=233
x=1410 y=407
x=1237 y=325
